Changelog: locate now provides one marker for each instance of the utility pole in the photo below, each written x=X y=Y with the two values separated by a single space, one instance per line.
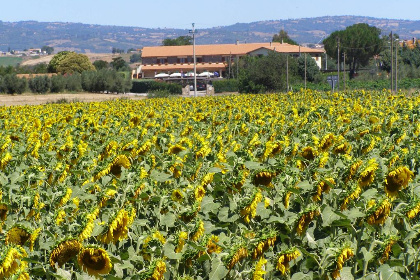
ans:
x=396 y=67
x=287 y=72
x=392 y=62
x=305 y=72
x=338 y=63
x=195 y=61
x=344 y=70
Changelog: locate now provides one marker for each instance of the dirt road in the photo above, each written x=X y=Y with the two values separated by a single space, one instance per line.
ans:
x=32 y=99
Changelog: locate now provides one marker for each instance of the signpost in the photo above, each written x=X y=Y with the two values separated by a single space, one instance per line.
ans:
x=333 y=81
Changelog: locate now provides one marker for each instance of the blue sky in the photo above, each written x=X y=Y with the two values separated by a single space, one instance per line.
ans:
x=204 y=13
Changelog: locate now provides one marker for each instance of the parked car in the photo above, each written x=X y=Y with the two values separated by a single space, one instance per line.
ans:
x=200 y=86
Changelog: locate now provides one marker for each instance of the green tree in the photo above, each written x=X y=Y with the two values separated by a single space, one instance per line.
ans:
x=74 y=63
x=360 y=42
x=283 y=37
x=100 y=64
x=266 y=74
x=180 y=41
x=40 y=84
x=58 y=83
x=13 y=84
x=55 y=61
x=119 y=64
x=136 y=57
x=47 y=49
x=312 y=70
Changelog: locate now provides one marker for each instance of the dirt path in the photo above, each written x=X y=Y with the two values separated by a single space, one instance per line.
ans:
x=32 y=99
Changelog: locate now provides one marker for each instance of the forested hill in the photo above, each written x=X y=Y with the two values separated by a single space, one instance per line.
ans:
x=101 y=38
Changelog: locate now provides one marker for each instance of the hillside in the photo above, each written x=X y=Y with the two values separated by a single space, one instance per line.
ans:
x=90 y=38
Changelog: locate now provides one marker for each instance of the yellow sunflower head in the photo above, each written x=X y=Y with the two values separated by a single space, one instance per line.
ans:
x=396 y=180
x=64 y=251
x=11 y=260
x=94 y=260
x=18 y=235
x=308 y=153
x=177 y=195
x=4 y=208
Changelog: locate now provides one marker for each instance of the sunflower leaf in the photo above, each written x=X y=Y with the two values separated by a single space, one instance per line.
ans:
x=218 y=270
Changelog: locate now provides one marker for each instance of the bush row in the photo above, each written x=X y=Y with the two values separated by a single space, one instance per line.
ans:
x=230 y=85
x=105 y=80
x=150 y=86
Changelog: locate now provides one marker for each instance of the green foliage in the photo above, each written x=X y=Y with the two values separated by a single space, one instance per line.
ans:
x=100 y=64
x=12 y=84
x=105 y=80
x=117 y=50
x=47 y=49
x=283 y=37
x=136 y=57
x=312 y=69
x=266 y=74
x=146 y=86
x=360 y=42
x=180 y=41
x=119 y=64
x=40 y=84
x=74 y=63
x=56 y=60
x=58 y=83
x=74 y=82
x=228 y=85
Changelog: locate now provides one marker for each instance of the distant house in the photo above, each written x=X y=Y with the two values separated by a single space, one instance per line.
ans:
x=209 y=58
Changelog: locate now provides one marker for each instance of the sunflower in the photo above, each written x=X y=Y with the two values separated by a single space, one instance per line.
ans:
x=156 y=271
x=198 y=230
x=182 y=236
x=259 y=270
x=17 y=235
x=65 y=198
x=212 y=246
x=5 y=160
x=33 y=238
x=323 y=187
x=326 y=142
x=177 y=195
x=353 y=195
x=263 y=178
x=199 y=193
x=308 y=153
x=378 y=214
x=11 y=260
x=236 y=255
x=305 y=219
x=94 y=260
x=263 y=244
x=117 y=163
x=345 y=254
x=117 y=230
x=396 y=180
x=250 y=210
x=367 y=176
x=413 y=210
x=64 y=251
x=387 y=247
x=3 y=211
x=284 y=258
x=175 y=149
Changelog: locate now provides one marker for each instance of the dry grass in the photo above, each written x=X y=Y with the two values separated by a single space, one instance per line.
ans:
x=32 y=99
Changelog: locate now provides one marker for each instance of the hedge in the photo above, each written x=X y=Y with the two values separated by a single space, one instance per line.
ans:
x=229 y=85
x=146 y=86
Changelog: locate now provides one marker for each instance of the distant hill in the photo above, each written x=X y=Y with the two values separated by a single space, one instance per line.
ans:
x=101 y=38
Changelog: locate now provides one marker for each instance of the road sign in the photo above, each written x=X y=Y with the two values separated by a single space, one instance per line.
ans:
x=333 y=81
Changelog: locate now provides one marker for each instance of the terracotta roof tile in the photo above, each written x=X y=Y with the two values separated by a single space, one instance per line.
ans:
x=222 y=49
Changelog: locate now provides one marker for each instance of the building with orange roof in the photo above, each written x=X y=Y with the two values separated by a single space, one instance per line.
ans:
x=210 y=58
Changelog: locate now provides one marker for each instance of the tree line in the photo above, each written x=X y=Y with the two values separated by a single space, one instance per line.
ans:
x=74 y=72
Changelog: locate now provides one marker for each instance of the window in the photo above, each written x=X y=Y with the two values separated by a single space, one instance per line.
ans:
x=162 y=60
x=182 y=60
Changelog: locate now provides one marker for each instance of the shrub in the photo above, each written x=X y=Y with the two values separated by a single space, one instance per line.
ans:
x=40 y=84
x=145 y=86
x=73 y=82
x=12 y=84
x=230 y=85
x=58 y=83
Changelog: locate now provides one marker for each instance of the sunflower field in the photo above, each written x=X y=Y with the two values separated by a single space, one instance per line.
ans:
x=308 y=185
